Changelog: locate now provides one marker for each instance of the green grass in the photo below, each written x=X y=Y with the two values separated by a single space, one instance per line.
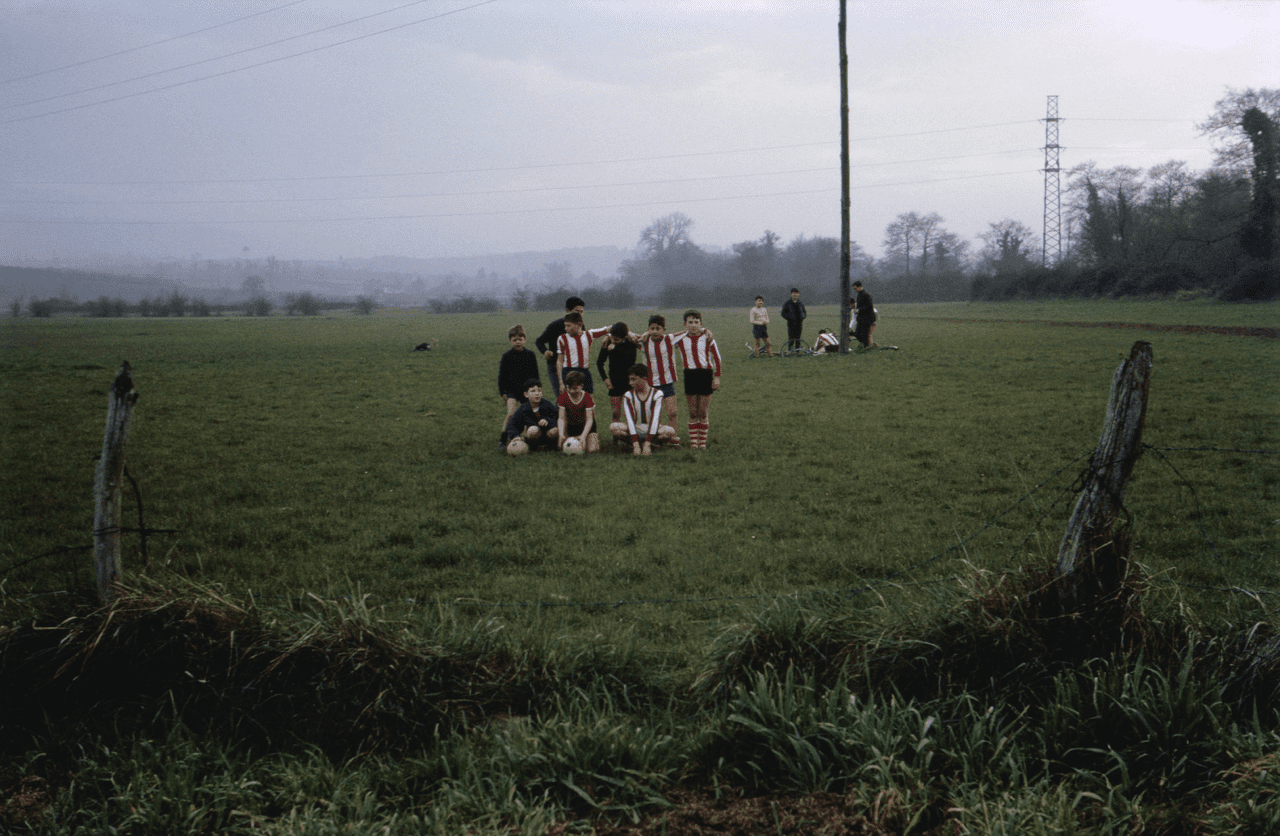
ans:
x=526 y=643
x=301 y=455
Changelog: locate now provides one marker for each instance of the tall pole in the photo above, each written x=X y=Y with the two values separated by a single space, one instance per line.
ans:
x=1052 y=253
x=842 y=327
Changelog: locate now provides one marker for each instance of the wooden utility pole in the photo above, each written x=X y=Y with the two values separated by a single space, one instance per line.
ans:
x=1090 y=549
x=842 y=328
x=107 y=483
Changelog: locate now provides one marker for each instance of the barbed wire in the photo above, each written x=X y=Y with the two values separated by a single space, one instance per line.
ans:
x=1195 y=497
x=889 y=580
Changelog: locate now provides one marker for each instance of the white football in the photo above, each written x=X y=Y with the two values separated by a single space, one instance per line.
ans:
x=517 y=447
x=572 y=447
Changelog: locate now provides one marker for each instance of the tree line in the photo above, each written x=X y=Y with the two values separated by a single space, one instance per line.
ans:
x=177 y=304
x=1163 y=230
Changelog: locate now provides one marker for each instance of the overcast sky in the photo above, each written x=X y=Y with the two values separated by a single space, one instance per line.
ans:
x=462 y=127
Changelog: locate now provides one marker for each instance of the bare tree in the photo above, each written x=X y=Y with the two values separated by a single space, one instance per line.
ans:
x=900 y=239
x=928 y=229
x=912 y=234
x=666 y=232
x=1008 y=246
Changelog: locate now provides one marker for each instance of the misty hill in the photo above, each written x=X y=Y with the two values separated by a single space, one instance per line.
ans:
x=392 y=279
x=601 y=261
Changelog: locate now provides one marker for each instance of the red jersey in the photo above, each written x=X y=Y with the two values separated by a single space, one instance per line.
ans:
x=699 y=352
x=576 y=351
x=642 y=412
x=575 y=414
x=660 y=357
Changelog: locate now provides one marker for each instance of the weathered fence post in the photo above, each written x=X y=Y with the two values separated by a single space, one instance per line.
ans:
x=107 y=482
x=1089 y=544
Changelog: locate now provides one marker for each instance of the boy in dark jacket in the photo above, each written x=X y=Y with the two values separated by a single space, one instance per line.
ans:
x=794 y=313
x=535 y=420
x=516 y=366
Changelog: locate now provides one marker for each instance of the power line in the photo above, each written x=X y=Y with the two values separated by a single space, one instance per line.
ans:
x=148 y=46
x=215 y=58
x=250 y=66
x=492 y=169
x=498 y=191
x=667 y=201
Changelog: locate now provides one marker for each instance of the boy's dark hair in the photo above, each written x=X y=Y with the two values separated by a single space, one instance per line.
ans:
x=529 y=384
x=857 y=283
x=795 y=290
x=573 y=316
x=516 y=331
x=691 y=312
x=761 y=298
x=573 y=302
x=658 y=319
x=639 y=370
x=575 y=379
x=619 y=331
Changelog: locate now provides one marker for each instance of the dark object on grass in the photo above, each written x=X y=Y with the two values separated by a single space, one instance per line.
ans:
x=422 y=347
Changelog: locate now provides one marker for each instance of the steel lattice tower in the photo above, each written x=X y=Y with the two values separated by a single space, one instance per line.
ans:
x=1052 y=188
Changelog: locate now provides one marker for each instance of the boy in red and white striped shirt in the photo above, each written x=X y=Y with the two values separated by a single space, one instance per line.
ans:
x=701 y=358
x=660 y=355
x=573 y=349
x=642 y=408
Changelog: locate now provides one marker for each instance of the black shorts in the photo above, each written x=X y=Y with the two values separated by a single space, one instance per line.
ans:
x=760 y=332
x=698 y=381
x=588 y=385
x=619 y=391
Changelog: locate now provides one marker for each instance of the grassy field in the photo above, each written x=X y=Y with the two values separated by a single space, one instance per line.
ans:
x=322 y=457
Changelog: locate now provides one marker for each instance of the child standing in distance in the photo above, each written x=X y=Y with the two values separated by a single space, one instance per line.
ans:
x=701 y=358
x=547 y=341
x=620 y=350
x=760 y=327
x=794 y=313
x=516 y=366
x=577 y=414
x=536 y=420
x=642 y=406
x=573 y=350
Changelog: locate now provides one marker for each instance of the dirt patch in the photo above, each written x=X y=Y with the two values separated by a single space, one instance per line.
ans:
x=1229 y=330
x=701 y=813
x=23 y=803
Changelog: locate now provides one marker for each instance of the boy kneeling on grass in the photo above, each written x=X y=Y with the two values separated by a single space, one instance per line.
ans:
x=535 y=420
x=577 y=413
x=642 y=406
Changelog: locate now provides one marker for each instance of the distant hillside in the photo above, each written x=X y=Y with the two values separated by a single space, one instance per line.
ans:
x=602 y=261
x=80 y=285
x=391 y=278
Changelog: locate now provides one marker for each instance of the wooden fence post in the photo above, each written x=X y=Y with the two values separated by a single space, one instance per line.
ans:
x=1089 y=544
x=107 y=483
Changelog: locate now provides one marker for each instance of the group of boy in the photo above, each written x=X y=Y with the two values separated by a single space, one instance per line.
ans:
x=640 y=394
x=862 y=323
x=793 y=311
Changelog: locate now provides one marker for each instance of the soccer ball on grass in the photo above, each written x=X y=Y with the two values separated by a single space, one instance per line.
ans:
x=517 y=447
x=572 y=447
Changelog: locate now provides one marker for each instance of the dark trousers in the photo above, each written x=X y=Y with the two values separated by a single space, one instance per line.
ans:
x=862 y=331
x=555 y=381
x=794 y=327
